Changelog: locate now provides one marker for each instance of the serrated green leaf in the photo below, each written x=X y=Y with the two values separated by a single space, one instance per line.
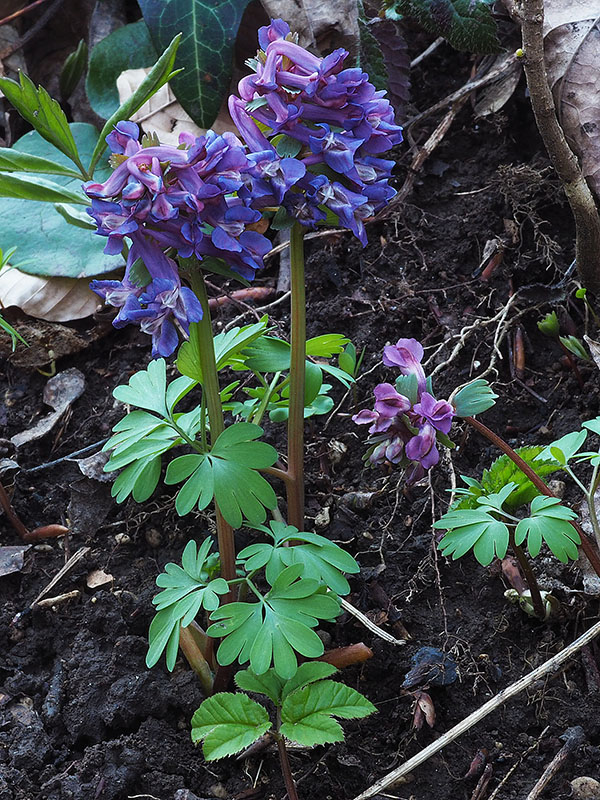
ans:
x=309 y=672
x=129 y=47
x=228 y=723
x=160 y=74
x=465 y=24
x=307 y=714
x=206 y=49
x=36 y=229
x=43 y=113
x=269 y=683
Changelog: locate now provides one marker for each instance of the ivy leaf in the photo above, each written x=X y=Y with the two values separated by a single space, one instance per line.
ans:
x=270 y=631
x=473 y=529
x=466 y=24
x=228 y=723
x=307 y=714
x=186 y=590
x=549 y=521
x=563 y=449
x=206 y=49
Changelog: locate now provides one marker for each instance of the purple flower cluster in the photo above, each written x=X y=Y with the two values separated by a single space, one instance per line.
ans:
x=405 y=432
x=332 y=121
x=185 y=198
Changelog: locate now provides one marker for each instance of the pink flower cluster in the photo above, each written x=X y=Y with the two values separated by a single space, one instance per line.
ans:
x=404 y=431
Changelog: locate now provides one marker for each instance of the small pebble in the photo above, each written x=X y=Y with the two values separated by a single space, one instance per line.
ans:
x=153 y=537
x=585 y=788
x=123 y=538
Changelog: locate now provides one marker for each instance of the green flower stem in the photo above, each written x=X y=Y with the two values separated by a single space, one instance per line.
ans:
x=536 y=597
x=586 y=545
x=295 y=486
x=256 y=419
x=202 y=333
x=591 y=503
x=195 y=659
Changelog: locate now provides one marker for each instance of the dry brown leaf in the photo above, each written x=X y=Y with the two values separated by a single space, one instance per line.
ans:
x=594 y=348
x=163 y=114
x=97 y=578
x=59 y=393
x=493 y=97
x=327 y=25
x=48 y=341
x=52 y=299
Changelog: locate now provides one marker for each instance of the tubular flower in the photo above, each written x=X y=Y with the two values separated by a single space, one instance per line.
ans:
x=184 y=198
x=405 y=432
x=332 y=119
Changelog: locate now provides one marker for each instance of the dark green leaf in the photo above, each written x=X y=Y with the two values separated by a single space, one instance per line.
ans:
x=206 y=51
x=129 y=47
x=27 y=187
x=228 y=723
x=550 y=522
x=466 y=24
x=73 y=70
x=15 y=161
x=269 y=683
x=47 y=244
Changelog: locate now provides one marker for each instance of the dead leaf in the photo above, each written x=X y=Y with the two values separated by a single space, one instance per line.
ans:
x=494 y=96
x=93 y=467
x=51 y=299
x=424 y=710
x=594 y=348
x=11 y=559
x=326 y=25
x=47 y=342
x=162 y=114
x=59 y=393
x=98 y=578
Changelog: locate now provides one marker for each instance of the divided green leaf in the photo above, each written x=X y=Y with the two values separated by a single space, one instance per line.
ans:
x=474 y=398
x=549 y=521
x=565 y=448
x=473 y=529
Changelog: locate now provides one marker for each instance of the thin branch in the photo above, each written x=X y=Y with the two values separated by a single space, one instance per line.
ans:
x=466 y=724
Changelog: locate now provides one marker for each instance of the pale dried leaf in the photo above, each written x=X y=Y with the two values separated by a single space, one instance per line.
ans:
x=493 y=97
x=326 y=25
x=11 y=559
x=594 y=348
x=97 y=578
x=162 y=114
x=59 y=393
x=51 y=299
x=564 y=12
x=93 y=467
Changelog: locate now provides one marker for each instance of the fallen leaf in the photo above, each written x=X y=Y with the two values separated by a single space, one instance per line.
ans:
x=47 y=342
x=162 y=114
x=59 y=393
x=493 y=97
x=594 y=348
x=93 y=467
x=51 y=299
x=97 y=578
x=11 y=559
x=424 y=710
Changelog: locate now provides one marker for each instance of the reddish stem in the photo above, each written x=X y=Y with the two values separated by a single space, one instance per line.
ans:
x=586 y=544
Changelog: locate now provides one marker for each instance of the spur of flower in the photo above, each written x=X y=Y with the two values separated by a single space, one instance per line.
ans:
x=184 y=200
x=317 y=130
x=407 y=421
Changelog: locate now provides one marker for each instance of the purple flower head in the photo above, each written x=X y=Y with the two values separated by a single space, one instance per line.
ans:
x=422 y=447
x=407 y=355
x=438 y=413
x=388 y=402
x=333 y=117
x=124 y=138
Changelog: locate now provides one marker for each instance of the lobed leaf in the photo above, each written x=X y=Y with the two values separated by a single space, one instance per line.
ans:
x=550 y=522
x=473 y=529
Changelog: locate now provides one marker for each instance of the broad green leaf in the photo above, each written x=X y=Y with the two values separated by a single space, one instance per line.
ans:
x=26 y=187
x=326 y=346
x=206 y=49
x=473 y=529
x=43 y=113
x=268 y=354
x=306 y=714
x=550 y=522
x=593 y=425
x=160 y=74
x=466 y=24
x=565 y=448
x=73 y=70
x=475 y=398
x=269 y=683
x=146 y=388
x=129 y=47
x=15 y=161
x=228 y=723
x=47 y=244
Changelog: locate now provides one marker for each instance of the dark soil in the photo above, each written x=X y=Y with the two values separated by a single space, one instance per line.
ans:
x=81 y=718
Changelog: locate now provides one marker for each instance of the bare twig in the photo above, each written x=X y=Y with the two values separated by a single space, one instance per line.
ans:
x=70 y=565
x=564 y=161
x=21 y=11
x=518 y=763
x=551 y=665
x=427 y=52
x=572 y=738
x=370 y=625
